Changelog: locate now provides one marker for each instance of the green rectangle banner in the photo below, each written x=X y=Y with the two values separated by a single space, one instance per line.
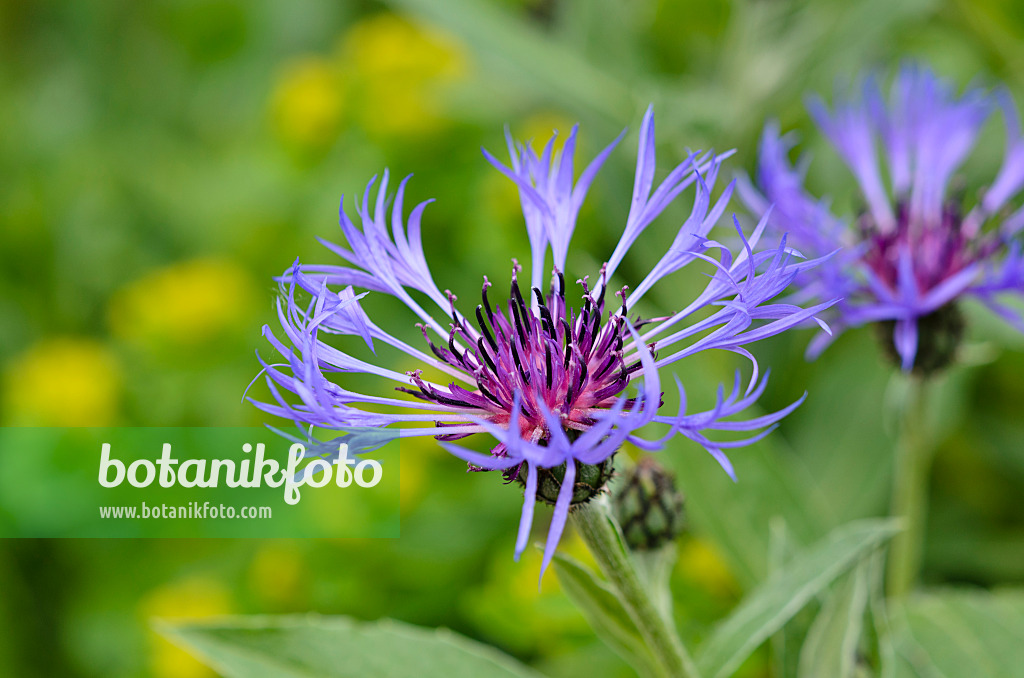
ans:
x=196 y=482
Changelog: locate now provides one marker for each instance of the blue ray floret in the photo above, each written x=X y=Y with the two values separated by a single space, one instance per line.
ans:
x=917 y=247
x=546 y=374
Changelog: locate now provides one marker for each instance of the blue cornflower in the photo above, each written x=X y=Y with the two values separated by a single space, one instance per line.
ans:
x=915 y=250
x=543 y=374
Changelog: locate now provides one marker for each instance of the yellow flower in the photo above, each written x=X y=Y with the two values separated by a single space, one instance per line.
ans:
x=185 y=304
x=191 y=598
x=63 y=382
x=702 y=563
x=308 y=102
x=401 y=73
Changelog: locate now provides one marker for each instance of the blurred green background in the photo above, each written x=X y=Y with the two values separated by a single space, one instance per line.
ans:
x=161 y=161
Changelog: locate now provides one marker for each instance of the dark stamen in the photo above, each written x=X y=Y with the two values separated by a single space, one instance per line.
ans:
x=607 y=366
x=547 y=362
x=545 y=314
x=594 y=327
x=444 y=400
x=519 y=365
x=486 y=357
x=583 y=377
x=622 y=293
x=441 y=354
x=484 y=330
x=487 y=303
x=455 y=351
x=414 y=393
x=519 y=322
x=518 y=297
x=487 y=394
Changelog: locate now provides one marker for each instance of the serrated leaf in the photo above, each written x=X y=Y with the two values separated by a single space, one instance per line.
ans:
x=604 y=612
x=831 y=645
x=783 y=594
x=964 y=633
x=337 y=647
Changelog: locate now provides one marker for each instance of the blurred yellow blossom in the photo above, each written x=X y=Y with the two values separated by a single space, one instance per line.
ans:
x=400 y=74
x=190 y=598
x=308 y=102
x=185 y=304
x=63 y=382
x=702 y=563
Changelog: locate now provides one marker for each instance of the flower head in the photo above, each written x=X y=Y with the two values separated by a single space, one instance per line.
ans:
x=916 y=248
x=548 y=372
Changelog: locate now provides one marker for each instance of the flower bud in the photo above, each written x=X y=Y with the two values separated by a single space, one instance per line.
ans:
x=649 y=507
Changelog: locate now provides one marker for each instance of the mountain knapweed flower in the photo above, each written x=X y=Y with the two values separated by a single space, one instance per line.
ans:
x=916 y=249
x=544 y=374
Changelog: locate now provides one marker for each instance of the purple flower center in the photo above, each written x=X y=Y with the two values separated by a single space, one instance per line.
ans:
x=568 y=361
x=937 y=250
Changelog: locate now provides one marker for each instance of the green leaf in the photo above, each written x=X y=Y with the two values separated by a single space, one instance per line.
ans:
x=889 y=663
x=337 y=647
x=964 y=633
x=831 y=645
x=786 y=642
x=784 y=593
x=604 y=612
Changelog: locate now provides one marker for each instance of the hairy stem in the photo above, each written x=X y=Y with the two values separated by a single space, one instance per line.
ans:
x=594 y=525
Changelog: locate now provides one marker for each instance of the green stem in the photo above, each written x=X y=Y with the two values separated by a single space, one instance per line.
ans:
x=912 y=463
x=594 y=525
